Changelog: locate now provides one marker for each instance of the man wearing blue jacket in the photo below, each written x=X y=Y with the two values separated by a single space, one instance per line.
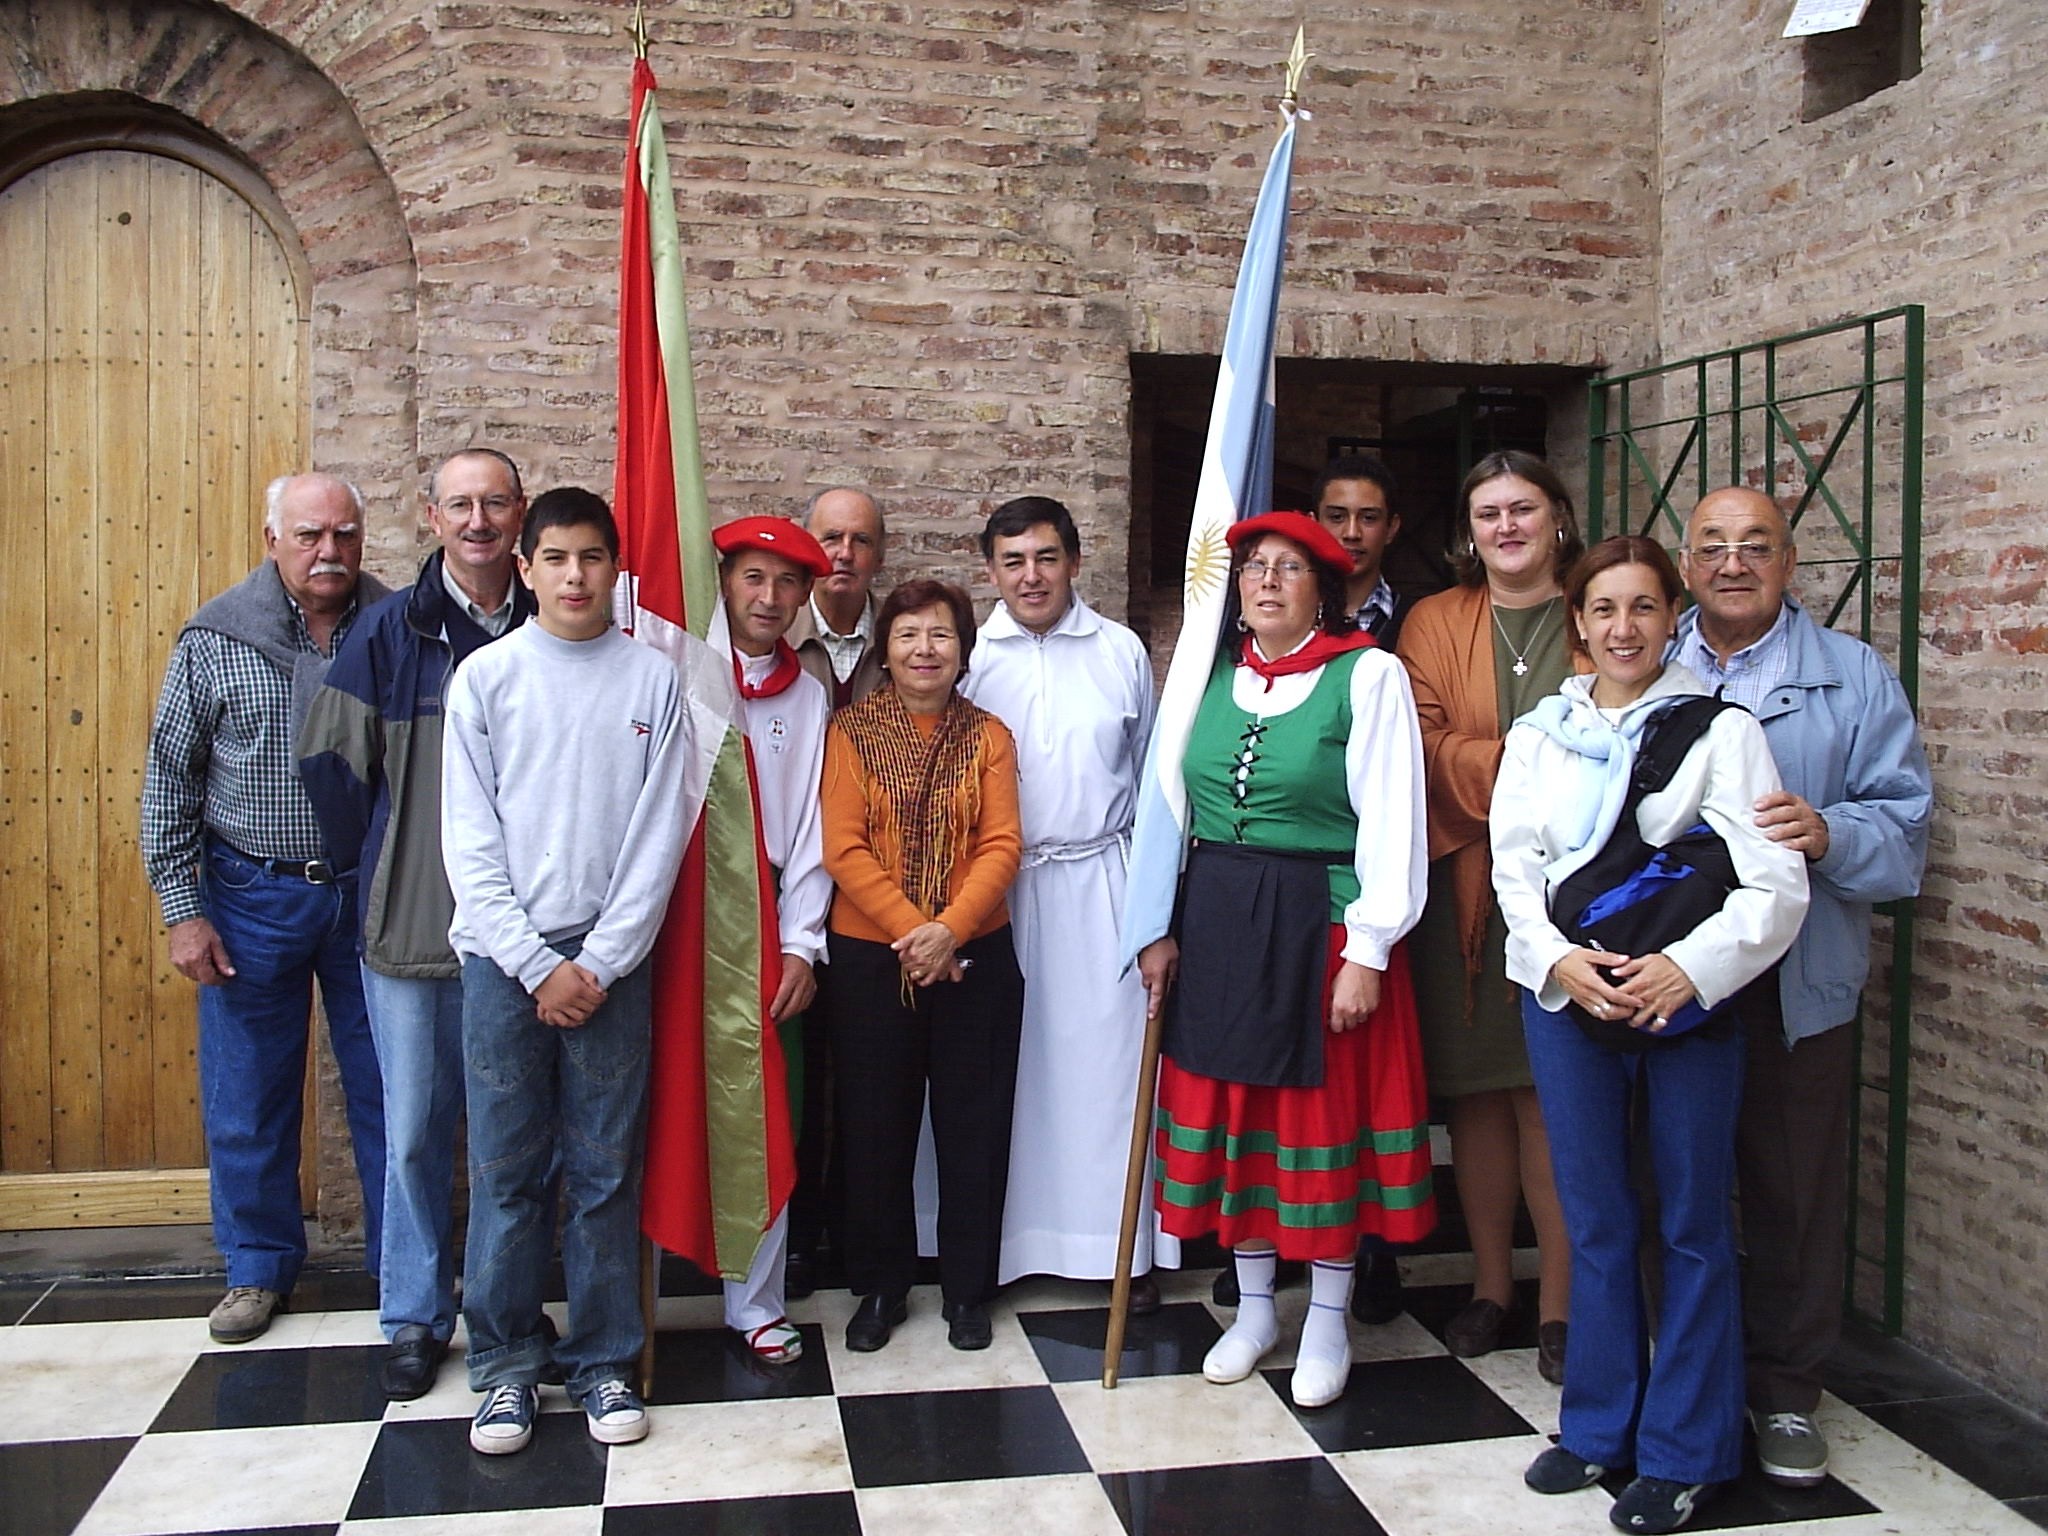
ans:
x=1856 y=802
x=370 y=756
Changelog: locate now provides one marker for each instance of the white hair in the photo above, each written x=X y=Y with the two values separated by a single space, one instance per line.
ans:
x=273 y=498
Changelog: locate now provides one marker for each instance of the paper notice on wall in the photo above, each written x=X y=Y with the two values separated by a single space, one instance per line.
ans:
x=1811 y=16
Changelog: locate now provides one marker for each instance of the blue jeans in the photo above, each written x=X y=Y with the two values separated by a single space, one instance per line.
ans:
x=280 y=933
x=534 y=1091
x=417 y=1023
x=1679 y=1415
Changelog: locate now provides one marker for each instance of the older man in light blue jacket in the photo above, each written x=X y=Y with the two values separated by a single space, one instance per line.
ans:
x=1856 y=802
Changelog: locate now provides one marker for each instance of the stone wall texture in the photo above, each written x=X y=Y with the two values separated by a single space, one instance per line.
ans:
x=1935 y=192
x=924 y=240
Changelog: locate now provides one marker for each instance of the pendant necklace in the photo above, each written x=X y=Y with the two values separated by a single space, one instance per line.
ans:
x=1521 y=656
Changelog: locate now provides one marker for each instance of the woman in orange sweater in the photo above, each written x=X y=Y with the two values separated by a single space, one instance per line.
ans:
x=922 y=839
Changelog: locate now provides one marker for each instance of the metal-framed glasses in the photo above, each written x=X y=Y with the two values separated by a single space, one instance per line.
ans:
x=1256 y=571
x=459 y=507
x=1750 y=554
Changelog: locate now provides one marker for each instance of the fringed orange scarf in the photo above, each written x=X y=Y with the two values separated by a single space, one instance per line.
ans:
x=924 y=791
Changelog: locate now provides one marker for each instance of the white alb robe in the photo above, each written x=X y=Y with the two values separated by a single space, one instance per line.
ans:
x=1078 y=700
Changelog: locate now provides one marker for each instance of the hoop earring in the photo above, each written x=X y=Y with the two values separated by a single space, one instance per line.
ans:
x=1242 y=627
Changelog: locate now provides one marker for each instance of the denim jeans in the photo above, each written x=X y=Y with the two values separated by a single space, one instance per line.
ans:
x=417 y=1024
x=1679 y=1415
x=534 y=1091
x=280 y=932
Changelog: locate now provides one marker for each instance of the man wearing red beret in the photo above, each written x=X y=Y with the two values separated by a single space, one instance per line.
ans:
x=766 y=569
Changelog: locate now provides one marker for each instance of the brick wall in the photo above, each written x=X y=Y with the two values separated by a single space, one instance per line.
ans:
x=1935 y=192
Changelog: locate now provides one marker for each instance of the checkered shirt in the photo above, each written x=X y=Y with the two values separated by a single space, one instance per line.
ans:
x=221 y=760
x=1751 y=673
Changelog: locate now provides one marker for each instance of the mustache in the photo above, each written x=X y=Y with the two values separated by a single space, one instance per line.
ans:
x=328 y=568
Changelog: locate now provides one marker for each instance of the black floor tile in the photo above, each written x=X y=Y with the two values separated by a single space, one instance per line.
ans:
x=1995 y=1446
x=251 y=1388
x=1294 y=1496
x=1434 y=1306
x=46 y=1488
x=110 y=1301
x=947 y=1437
x=1171 y=1342
x=1752 y=1499
x=714 y=1365
x=17 y=1299
x=2035 y=1509
x=1429 y=1401
x=806 y=1514
x=281 y=1530
x=425 y=1467
x=1867 y=1368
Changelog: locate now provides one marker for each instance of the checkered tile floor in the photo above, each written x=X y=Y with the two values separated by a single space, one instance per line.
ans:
x=120 y=1418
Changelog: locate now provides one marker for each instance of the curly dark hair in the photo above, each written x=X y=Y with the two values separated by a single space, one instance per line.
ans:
x=1333 y=606
x=921 y=593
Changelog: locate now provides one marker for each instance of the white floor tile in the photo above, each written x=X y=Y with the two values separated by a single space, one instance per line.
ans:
x=1073 y=1505
x=697 y=1451
x=233 y=1479
x=1180 y=1421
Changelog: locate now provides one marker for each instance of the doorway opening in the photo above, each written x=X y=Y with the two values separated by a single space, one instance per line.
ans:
x=1429 y=421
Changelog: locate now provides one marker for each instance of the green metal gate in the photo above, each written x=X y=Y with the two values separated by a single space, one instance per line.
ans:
x=1828 y=422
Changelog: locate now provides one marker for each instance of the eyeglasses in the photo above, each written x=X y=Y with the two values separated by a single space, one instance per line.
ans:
x=1751 y=555
x=459 y=507
x=1255 y=571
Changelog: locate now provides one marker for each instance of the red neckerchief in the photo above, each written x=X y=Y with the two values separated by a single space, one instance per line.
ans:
x=1322 y=647
x=786 y=671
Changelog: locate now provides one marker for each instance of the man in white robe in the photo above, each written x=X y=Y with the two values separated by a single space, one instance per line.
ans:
x=766 y=568
x=1075 y=689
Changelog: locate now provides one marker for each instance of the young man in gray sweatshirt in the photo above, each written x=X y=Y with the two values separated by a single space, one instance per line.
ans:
x=567 y=797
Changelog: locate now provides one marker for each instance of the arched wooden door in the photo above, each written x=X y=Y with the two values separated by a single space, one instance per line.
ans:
x=151 y=382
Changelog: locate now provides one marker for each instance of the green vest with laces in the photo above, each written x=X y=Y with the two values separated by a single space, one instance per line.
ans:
x=1277 y=781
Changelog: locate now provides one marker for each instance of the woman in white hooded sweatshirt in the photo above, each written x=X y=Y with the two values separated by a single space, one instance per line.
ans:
x=1562 y=790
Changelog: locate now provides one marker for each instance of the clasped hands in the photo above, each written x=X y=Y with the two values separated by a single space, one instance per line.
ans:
x=926 y=954
x=568 y=997
x=1646 y=992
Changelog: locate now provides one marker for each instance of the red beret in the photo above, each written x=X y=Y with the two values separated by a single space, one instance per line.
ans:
x=775 y=536
x=1312 y=536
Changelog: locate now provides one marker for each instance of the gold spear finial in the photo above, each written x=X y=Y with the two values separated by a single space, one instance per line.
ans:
x=638 y=29
x=1297 y=64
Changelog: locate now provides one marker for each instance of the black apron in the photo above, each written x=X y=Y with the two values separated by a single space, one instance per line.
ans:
x=1254 y=931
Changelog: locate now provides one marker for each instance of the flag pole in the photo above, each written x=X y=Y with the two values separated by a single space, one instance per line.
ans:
x=650 y=1258
x=1206 y=560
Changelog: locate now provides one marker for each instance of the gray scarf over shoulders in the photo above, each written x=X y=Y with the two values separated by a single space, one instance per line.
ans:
x=258 y=612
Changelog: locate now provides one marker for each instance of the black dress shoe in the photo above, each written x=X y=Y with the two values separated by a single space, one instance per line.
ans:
x=411 y=1363
x=799 y=1277
x=1379 y=1296
x=873 y=1320
x=967 y=1325
x=1476 y=1330
x=1224 y=1291
x=1144 y=1300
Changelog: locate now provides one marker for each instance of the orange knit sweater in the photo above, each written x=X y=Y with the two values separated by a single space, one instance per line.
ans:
x=869 y=902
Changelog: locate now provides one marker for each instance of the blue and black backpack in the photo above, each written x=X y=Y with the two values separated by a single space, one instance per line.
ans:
x=1634 y=899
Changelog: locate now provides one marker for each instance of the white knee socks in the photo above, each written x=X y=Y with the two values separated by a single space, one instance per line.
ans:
x=1237 y=1354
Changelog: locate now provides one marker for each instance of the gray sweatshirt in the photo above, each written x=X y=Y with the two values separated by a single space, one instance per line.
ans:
x=566 y=800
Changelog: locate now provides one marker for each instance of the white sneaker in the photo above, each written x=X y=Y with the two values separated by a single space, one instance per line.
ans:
x=1236 y=1355
x=615 y=1413
x=1318 y=1383
x=504 y=1420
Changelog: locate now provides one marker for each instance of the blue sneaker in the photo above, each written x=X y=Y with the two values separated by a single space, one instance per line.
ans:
x=504 y=1420
x=615 y=1413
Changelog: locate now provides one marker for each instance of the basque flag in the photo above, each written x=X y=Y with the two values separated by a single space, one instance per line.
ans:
x=1236 y=482
x=721 y=1160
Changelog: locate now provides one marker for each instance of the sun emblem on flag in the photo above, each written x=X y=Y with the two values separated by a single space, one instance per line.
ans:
x=1208 y=563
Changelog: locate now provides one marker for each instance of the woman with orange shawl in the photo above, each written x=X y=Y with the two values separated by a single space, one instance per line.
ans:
x=1479 y=655
x=922 y=838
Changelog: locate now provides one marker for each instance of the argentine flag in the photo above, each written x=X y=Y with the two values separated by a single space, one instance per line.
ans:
x=1236 y=482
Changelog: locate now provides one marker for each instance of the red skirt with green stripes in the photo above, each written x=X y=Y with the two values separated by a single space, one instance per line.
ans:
x=1310 y=1170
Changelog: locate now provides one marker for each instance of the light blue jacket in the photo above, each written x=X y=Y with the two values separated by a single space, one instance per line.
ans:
x=1846 y=742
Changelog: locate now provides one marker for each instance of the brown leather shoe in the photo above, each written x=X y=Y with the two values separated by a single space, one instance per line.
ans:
x=1550 y=1339
x=1144 y=1296
x=1476 y=1330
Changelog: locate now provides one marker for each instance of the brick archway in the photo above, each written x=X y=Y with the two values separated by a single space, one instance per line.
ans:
x=267 y=106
